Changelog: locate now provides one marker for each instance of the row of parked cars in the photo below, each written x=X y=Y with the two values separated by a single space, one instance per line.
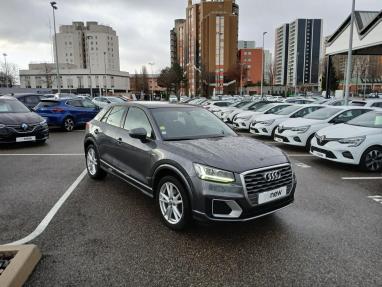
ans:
x=326 y=128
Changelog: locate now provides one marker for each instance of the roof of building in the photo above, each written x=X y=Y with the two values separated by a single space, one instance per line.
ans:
x=364 y=21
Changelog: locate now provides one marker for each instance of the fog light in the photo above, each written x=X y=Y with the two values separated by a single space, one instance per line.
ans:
x=347 y=154
x=297 y=139
x=265 y=131
x=226 y=209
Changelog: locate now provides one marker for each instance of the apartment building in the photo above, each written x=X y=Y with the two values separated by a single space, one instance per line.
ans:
x=281 y=55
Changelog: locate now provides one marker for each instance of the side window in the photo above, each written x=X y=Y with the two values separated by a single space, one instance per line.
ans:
x=136 y=118
x=301 y=113
x=75 y=103
x=88 y=104
x=276 y=109
x=349 y=115
x=115 y=115
x=377 y=105
x=105 y=115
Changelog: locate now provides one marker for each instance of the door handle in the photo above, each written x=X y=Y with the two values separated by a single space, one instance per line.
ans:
x=119 y=140
x=96 y=131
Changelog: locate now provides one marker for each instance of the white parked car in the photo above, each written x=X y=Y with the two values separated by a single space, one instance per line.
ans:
x=299 y=101
x=244 y=119
x=225 y=111
x=228 y=118
x=358 y=142
x=217 y=105
x=299 y=132
x=377 y=103
x=173 y=99
x=266 y=125
x=104 y=101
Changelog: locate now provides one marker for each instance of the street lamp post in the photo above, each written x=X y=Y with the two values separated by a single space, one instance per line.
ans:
x=104 y=59
x=6 y=69
x=54 y=7
x=152 y=79
x=90 y=67
x=262 y=66
x=350 y=54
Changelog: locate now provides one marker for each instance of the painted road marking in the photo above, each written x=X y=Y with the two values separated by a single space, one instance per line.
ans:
x=48 y=218
x=302 y=165
x=42 y=154
x=377 y=198
x=300 y=155
x=362 y=178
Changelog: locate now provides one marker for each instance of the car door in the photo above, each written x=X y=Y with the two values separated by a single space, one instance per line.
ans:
x=75 y=109
x=109 y=133
x=89 y=110
x=134 y=155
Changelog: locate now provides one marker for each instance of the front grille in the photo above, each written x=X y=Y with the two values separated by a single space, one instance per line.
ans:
x=19 y=129
x=256 y=183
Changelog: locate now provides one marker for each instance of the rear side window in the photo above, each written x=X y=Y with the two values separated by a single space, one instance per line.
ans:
x=351 y=114
x=114 y=116
x=136 y=118
x=377 y=105
x=47 y=104
x=276 y=109
x=33 y=100
x=75 y=103
x=359 y=104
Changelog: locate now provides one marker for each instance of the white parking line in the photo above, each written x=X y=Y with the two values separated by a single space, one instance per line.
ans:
x=376 y=198
x=42 y=154
x=302 y=165
x=48 y=218
x=362 y=178
x=299 y=155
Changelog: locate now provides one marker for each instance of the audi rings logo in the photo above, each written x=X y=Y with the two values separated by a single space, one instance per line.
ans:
x=272 y=176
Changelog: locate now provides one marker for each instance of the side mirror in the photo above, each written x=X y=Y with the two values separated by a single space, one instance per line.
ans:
x=139 y=133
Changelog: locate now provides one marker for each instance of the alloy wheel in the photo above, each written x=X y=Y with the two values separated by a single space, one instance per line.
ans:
x=373 y=160
x=171 y=203
x=91 y=161
x=69 y=124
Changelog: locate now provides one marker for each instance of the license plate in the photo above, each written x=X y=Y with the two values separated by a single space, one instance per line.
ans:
x=280 y=140
x=319 y=154
x=26 y=139
x=272 y=195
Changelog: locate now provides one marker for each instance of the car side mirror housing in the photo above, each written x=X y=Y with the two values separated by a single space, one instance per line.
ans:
x=139 y=133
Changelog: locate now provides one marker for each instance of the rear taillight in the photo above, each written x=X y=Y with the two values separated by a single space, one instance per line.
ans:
x=57 y=110
x=88 y=125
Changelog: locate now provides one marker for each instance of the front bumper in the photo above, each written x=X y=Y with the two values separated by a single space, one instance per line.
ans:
x=241 y=124
x=208 y=195
x=335 y=151
x=289 y=137
x=9 y=135
x=261 y=130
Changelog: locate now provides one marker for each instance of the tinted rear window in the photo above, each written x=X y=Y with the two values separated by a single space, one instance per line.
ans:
x=47 y=104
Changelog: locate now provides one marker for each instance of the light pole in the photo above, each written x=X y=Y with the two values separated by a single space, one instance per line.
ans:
x=152 y=79
x=104 y=59
x=350 y=54
x=90 y=67
x=262 y=66
x=6 y=69
x=54 y=7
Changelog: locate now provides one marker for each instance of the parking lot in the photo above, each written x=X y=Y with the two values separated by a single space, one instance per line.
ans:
x=108 y=233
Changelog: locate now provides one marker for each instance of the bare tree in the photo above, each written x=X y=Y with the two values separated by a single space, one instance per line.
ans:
x=271 y=75
x=9 y=74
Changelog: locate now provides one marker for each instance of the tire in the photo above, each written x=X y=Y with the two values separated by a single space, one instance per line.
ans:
x=274 y=133
x=68 y=124
x=371 y=159
x=309 y=143
x=93 y=163
x=175 y=215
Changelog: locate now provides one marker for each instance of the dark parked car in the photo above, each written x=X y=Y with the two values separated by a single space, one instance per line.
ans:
x=193 y=164
x=19 y=124
x=30 y=100
x=67 y=113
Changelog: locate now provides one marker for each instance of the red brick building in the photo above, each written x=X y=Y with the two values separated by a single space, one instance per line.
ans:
x=251 y=64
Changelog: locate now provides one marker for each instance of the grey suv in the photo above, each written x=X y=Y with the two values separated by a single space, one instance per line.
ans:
x=191 y=163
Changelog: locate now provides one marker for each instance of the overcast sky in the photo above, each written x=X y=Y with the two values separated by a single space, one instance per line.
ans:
x=143 y=25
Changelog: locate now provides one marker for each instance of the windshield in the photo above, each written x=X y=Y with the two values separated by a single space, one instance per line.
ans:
x=115 y=100
x=287 y=110
x=12 y=106
x=370 y=120
x=189 y=123
x=322 y=114
x=255 y=106
x=239 y=104
x=358 y=104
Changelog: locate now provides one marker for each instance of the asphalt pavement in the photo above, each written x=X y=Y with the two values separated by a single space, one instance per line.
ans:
x=109 y=234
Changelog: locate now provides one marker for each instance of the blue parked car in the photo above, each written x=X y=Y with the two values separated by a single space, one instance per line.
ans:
x=67 y=113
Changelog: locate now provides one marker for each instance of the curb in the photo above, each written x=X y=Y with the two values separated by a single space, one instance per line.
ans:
x=25 y=259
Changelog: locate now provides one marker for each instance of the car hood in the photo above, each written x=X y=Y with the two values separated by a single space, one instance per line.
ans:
x=19 y=118
x=269 y=117
x=236 y=154
x=291 y=123
x=347 y=131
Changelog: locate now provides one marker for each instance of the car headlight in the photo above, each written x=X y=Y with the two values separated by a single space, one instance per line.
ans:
x=353 y=142
x=43 y=123
x=266 y=123
x=301 y=130
x=213 y=174
x=2 y=126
